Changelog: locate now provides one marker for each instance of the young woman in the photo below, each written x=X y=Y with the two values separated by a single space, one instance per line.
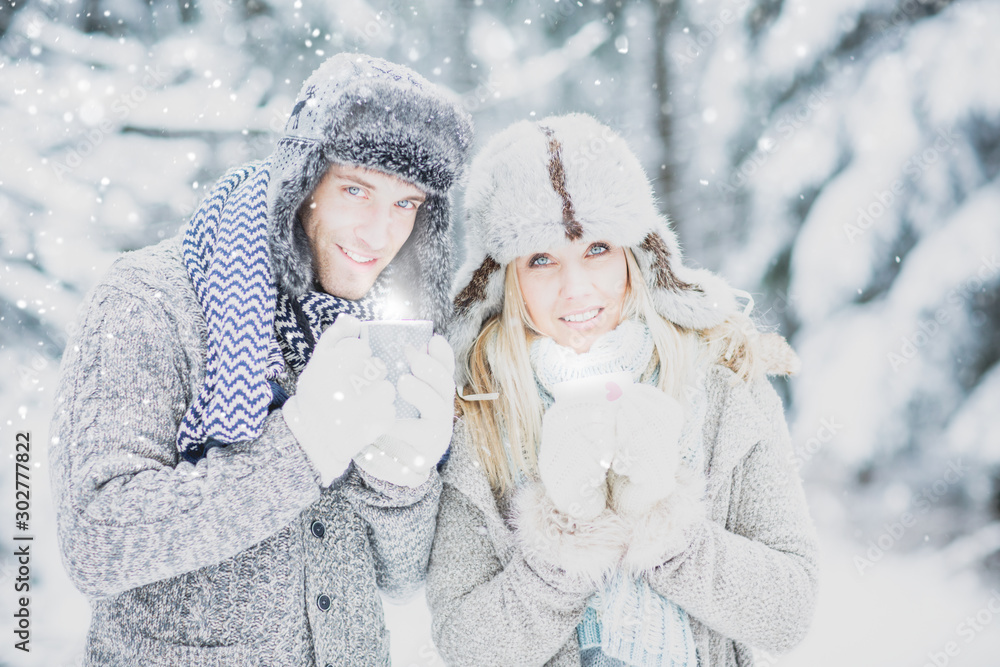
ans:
x=650 y=517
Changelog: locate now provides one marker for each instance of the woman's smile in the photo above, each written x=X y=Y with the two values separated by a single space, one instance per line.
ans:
x=579 y=318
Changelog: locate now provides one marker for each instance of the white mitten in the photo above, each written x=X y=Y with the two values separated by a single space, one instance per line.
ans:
x=343 y=401
x=578 y=444
x=647 y=455
x=412 y=447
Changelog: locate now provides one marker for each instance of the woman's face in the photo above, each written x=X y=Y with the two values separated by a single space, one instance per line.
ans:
x=574 y=294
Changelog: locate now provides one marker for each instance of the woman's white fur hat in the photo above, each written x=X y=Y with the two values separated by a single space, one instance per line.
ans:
x=538 y=185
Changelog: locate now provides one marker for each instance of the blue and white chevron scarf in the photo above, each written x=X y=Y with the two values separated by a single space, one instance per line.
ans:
x=252 y=330
x=626 y=622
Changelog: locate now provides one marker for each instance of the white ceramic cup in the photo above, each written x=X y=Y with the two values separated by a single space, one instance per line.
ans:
x=596 y=388
x=388 y=340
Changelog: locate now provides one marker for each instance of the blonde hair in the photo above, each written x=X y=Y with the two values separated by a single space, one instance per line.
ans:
x=505 y=432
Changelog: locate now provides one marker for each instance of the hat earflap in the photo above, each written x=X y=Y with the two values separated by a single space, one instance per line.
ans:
x=691 y=298
x=480 y=299
x=297 y=167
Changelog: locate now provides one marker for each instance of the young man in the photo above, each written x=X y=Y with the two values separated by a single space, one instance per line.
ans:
x=211 y=519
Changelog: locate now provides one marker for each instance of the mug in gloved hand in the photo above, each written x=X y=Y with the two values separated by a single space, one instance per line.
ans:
x=388 y=340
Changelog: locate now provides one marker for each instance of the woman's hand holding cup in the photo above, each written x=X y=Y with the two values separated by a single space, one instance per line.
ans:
x=576 y=451
x=647 y=455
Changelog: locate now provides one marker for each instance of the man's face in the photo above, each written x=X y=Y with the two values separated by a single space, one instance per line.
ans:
x=357 y=220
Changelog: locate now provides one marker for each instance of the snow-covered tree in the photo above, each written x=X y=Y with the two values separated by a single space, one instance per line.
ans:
x=841 y=159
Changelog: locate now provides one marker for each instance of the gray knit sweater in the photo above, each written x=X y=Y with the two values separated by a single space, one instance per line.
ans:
x=241 y=560
x=747 y=575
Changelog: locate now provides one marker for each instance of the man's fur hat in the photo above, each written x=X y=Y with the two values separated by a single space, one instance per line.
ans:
x=363 y=111
x=542 y=184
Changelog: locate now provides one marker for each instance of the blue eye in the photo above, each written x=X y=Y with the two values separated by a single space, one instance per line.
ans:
x=405 y=203
x=597 y=249
x=353 y=190
x=539 y=260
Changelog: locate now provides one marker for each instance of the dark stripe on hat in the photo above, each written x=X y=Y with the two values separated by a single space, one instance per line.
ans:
x=557 y=173
x=475 y=291
x=665 y=277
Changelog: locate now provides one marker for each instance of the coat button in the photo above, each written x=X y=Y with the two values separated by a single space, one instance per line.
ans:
x=323 y=602
x=318 y=529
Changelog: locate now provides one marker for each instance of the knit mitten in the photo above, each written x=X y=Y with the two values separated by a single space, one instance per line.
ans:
x=342 y=402
x=666 y=530
x=578 y=444
x=647 y=455
x=569 y=553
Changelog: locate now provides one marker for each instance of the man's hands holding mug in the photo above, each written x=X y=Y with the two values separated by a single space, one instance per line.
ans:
x=343 y=401
x=406 y=454
x=344 y=404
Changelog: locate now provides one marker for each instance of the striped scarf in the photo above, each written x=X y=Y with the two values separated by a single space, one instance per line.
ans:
x=252 y=330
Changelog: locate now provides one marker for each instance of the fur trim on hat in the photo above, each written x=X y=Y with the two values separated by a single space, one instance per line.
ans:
x=587 y=549
x=364 y=111
x=777 y=355
x=541 y=185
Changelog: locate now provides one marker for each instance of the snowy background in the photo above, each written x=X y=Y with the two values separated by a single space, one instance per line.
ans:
x=839 y=159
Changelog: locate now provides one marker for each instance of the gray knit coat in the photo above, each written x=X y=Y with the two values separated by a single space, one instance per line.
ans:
x=241 y=560
x=746 y=576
